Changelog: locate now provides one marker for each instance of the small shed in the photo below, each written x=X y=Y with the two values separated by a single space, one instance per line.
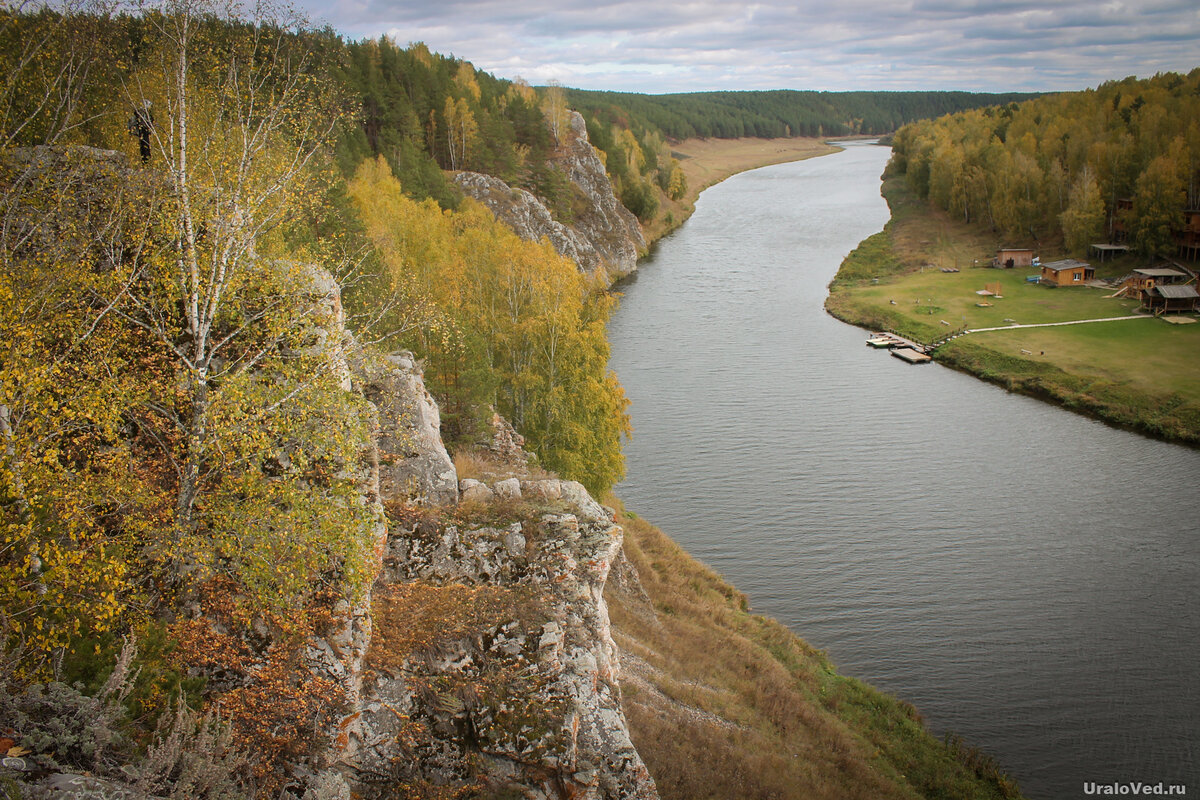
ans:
x=1166 y=299
x=1009 y=257
x=1067 y=272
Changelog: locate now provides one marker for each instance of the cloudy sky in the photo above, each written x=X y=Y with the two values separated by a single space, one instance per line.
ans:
x=658 y=46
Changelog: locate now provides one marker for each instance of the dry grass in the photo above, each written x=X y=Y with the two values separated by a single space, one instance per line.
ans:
x=418 y=617
x=723 y=703
x=706 y=162
x=482 y=464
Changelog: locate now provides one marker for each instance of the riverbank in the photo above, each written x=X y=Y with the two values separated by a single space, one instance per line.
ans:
x=722 y=702
x=1131 y=373
x=706 y=162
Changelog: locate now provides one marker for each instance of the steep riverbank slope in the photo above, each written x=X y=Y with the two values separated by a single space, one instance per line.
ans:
x=725 y=703
x=1133 y=373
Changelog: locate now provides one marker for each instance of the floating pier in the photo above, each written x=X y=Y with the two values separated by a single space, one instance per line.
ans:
x=893 y=341
x=910 y=355
x=904 y=349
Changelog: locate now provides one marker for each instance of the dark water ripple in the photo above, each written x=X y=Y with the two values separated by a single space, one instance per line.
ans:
x=1025 y=576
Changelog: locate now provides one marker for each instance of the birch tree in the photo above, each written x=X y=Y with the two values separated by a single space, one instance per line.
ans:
x=260 y=430
x=554 y=107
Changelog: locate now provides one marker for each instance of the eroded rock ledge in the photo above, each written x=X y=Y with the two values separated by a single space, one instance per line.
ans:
x=604 y=237
x=487 y=661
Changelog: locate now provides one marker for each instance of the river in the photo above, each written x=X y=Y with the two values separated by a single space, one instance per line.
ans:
x=1028 y=578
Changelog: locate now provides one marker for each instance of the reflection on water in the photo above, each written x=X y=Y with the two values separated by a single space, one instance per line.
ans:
x=1025 y=576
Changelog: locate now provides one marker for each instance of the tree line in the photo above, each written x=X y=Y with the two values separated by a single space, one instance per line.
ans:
x=1121 y=161
x=777 y=114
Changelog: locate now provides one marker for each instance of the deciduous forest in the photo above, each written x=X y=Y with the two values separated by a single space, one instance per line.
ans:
x=1120 y=162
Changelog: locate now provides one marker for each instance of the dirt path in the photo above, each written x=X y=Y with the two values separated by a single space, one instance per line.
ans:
x=1052 y=324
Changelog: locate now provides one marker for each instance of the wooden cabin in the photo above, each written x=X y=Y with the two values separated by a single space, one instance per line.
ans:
x=1178 y=298
x=1010 y=257
x=1067 y=272
x=1188 y=239
x=1148 y=278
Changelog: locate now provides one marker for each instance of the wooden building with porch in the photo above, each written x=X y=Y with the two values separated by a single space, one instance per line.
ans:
x=1180 y=298
x=1067 y=272
x=1150 y=277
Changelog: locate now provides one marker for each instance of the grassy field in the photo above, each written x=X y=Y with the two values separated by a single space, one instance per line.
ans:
x=1142 y=373
x=724 y=703
x=706 y=162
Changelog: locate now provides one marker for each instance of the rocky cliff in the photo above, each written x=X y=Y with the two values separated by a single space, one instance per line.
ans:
x=603 y=237
x=483 y=659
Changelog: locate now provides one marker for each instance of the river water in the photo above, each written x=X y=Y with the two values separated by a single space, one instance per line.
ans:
x=1027 y=577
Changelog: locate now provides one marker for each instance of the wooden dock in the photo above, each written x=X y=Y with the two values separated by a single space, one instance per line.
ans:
x=895 y=342
x=910 y=355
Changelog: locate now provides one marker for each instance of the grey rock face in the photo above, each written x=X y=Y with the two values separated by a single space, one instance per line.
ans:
x=604 y=237
x=529 y=217
x=526 y=697
x=413 y=463
x=611 y=229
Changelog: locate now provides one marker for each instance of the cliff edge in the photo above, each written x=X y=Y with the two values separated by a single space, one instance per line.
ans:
x=603 y=238
x=486 y=663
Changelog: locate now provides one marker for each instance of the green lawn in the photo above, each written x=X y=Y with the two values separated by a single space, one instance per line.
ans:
x=930 y=296
x=1143 y=373
x=1151 y=354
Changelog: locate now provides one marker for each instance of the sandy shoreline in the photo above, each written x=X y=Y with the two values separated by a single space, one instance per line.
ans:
x=709 y=161
x=706 y=162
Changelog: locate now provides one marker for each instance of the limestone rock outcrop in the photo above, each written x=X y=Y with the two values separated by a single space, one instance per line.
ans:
x=518 y=691
x=610 y=227
x=483 y=655
x=604 y=235
x=413 y=463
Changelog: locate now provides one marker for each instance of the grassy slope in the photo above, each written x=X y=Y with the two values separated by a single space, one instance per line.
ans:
x=723 y=703
x=706 y=162
x=1138 y=373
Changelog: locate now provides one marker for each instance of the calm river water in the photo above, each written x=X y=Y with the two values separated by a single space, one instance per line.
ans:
x=1027 y=577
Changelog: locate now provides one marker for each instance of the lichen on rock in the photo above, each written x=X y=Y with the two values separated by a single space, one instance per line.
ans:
x=492 y=662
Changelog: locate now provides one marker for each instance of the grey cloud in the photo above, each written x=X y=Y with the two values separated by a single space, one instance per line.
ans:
x=687 y=45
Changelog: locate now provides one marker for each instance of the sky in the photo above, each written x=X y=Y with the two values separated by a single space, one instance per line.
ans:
x=660 y=46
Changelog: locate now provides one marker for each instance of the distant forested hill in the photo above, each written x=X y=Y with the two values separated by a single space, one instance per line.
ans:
x=774 y=114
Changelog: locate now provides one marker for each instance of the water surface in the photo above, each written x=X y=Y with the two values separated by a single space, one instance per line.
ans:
x=1025 y=576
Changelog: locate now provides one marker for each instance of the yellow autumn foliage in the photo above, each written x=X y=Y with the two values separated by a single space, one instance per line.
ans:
x=524 y=327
